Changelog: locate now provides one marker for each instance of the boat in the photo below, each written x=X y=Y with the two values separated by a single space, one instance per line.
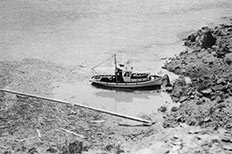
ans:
x=124 y=77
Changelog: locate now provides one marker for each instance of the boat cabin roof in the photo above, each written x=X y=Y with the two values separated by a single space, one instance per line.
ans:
x=124 y=68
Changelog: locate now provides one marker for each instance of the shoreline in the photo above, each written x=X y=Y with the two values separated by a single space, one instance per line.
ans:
x=204 y=112
x=208 y=65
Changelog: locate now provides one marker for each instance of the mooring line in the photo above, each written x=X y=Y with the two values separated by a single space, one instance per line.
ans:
x=79 y=105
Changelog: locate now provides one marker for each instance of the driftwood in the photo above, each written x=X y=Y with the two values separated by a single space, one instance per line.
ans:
x=19 y=140
x=97 y=121
x=39 y=134
x=136 y=125
x=79 y=105
x=73 y=133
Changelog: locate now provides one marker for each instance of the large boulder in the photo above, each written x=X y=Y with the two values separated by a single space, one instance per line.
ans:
x=208 y=40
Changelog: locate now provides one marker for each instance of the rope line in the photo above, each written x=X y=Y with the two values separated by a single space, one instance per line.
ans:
x=102 y=62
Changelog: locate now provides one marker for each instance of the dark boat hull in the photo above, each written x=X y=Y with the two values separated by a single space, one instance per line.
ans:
x=154 y=82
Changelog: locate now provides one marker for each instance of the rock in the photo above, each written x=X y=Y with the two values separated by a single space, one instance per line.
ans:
x=206 y=92
x=192 y=97
x=109 y=147
x=220 y=54
x=219 y=87
x=119 y=150
x=222 y=50
x=229 y=78
x=164 y=67
x=74 y=148
x=227 y=147
x=186 y=43
x=226 y=49
x=205 y=28
x=180 y=81
x=207 y=119
x=230 y=92
x=226 y=138
x=228 y=58
x=175 y=99
x=52 y=149
x=162 y=109
x=204 y=84
x=218 y=99
x=174 y=109
x=214 y=47
x=213 y=97
x=199 y=102
x=32 y=151
x=208 y=40
x=221 y=105
x=169 y=88
x=199 y=94
x=221 y=81
x=191 y=121
x=184 y=98
x=227 y=95
x=192 y=37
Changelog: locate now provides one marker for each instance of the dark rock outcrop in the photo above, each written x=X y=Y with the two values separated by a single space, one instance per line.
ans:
x=208 y=40
x=208 y=65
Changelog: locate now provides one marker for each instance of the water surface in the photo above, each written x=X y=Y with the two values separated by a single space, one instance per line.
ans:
x=82 y=33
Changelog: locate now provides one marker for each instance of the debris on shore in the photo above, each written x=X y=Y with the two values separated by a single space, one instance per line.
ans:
x=30 y=125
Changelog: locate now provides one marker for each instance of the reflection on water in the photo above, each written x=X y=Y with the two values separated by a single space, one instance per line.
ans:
x=118 y=97
x=127 y=102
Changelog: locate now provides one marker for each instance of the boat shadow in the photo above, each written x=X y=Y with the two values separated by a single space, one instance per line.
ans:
x=126 y=89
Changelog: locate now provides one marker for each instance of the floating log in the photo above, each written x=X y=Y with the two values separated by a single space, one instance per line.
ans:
x=79 y=105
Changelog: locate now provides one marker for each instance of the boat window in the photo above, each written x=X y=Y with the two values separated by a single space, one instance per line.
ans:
x=127 y=74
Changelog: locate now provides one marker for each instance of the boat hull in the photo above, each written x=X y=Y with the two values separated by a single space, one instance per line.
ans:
x=141 y=84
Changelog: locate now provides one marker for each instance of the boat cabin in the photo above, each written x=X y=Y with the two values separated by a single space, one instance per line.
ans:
x=123 y=74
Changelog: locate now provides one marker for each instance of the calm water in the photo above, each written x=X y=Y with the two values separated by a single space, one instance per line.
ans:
x=86 y=32
x=132 y=103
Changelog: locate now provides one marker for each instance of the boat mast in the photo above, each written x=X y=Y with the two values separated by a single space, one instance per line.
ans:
x=115 y=64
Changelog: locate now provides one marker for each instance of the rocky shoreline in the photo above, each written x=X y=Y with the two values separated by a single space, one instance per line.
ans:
x=207 y=100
